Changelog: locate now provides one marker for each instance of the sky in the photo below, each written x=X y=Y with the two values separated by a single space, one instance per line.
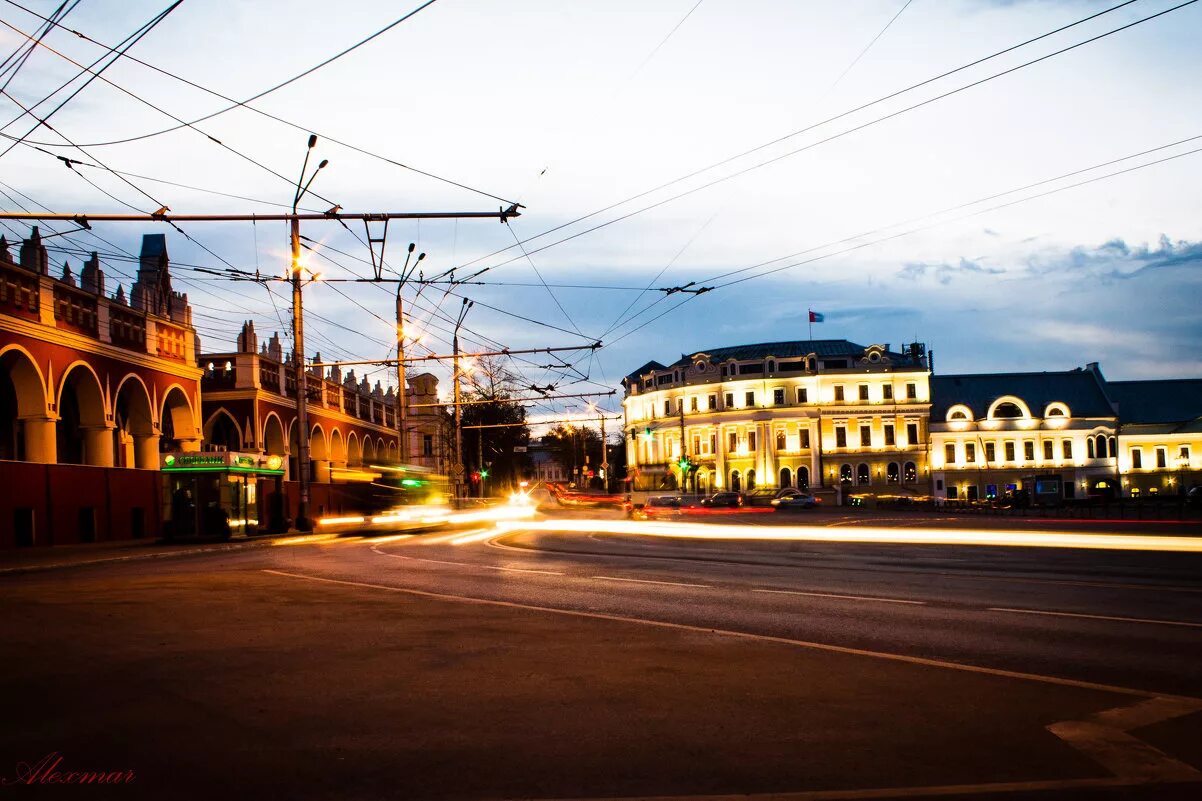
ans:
x=979 y=222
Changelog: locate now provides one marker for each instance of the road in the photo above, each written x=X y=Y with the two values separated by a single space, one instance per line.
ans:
x=539 y=663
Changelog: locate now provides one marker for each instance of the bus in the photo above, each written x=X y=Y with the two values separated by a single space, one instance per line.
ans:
x=381 y=498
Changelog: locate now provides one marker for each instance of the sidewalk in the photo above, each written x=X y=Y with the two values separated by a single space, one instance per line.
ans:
x=58 y=556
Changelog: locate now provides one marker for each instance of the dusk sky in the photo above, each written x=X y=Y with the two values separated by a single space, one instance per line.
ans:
x=572 y=107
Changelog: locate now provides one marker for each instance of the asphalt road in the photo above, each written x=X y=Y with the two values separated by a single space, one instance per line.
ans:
x=545 y=664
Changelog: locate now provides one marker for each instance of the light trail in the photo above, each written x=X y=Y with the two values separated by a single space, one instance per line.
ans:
x=909 y=536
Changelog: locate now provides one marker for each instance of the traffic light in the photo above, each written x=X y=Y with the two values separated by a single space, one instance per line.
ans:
x=684 y=464
x=647 y=433
x=483 y=474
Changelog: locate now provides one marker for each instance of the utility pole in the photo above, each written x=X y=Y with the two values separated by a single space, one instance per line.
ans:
x=683 y=458
x=480 y=459
x=604 y=455
x=402 y=390
x=458 y=466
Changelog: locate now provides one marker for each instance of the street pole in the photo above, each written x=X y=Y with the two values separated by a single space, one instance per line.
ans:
x=604 y=455
x=460 y=469
x=402 y=399
x=303 y=522
x=480 y=459
x=683 y=477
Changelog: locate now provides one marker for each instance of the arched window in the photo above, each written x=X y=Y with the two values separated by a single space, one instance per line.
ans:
x=845 y=474
x=862 y=474
x=750 y=480
x=786 y=477
x=958 y=415
x=1114 y=451
x=1055 y=411
x=892 y=474
x=780 y=440
x=1007 y=410
x=1102 y=454
x=910 y=473
x=735 y=484
x=803 y=477
x=1089 y=451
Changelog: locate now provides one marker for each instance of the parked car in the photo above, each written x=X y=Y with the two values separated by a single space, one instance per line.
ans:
x=795 y=499
x=764 y=496
x=662 y=506
x=731 y=500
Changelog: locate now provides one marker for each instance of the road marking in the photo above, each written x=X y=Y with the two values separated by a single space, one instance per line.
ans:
x=1097 y=617
x=649 y=581
x=844 y=597
x=817 y=646
x=1104 y=738
x=524 y=570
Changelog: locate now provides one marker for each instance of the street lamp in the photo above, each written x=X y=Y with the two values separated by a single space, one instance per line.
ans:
x=303 y=521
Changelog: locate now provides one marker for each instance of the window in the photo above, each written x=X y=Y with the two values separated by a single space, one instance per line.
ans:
x=802 y=395
x=845 y=474
x=680 y=405
x=910 y=473
x=696 y=444
x=693 y=404
x=427 y=444
x=713 y=443
x=990 y=452
x=733 y=441
x=958 y=415
x=892 y=474
x=1029 y=451
x=865 y=436
x=951 y=492
x=1183 y=453
x=1007 y=410
x=751 y=441
x=862 y=475
x=838 y=392
x=805 y=437
x=778 y=397
x=729 y=400
x=1047 y=450
x=1162 y=457
x=1089 y=449
x=887 y=392
x=863 y=392
x=840 y=436
x=749 y=399
x=1066 y=447
x=949 y=453
x=911 y=433
x=713 y=402
x=667 y=408
x=970 y=452
x=780 y=440
x=911 y=391
x=1009 y=451
x=1137 y=458
x=889 y=435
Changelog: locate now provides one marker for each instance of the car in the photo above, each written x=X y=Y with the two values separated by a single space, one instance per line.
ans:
x=731 y=500
x=795 y=499
x=662 y=506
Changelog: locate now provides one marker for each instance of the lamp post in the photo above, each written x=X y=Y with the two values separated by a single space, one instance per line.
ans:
x=303 y=521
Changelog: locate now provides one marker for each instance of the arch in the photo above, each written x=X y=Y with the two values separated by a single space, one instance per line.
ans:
x=703 y=482
x=803 y=477
x=892 y=473
x=369 y=450
x=82 y=418
x=863 y=474
x=337 y=446
x=1102 y=446
x=22 y=396
x=845 y=473
x=958 y=411
x=273 y=435
x=1089 y=448
x=134 y=421
x=786 y=477
x=393 y=451
x=221 y=431
x=381 y=451
x=910 y=473
x=177 y=419
x=319 y=449
x=750 y=479
x=1008 y=407
x=736 y=485
x=354 y=453
x=1057 y=409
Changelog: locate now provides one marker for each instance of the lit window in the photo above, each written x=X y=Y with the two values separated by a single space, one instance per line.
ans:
x=733 y=441
x=730 y=400
x=693 y=403
x=1009 y=451
x=1067 y=448
x=949 y=453
x=910 y=473
x=990 y=452
x=778 y=397
x=1162 y=457
x=970 y=452
x=887 y=392
x=911 y=391
x=840 y=436
x=863 y=392
x=1029 y=451
x=667 y=407
x=862 y=475
x=749 y=399
x=892 y=474
x=838 y=392
x=805 y=437
x=845 y=474
x=780 y=440
x=713 y=402
x=889 y=435
x=1047 y=450
x=1137 y=458
x=865 y=436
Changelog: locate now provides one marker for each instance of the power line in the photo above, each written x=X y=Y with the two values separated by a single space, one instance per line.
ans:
x=868 y=46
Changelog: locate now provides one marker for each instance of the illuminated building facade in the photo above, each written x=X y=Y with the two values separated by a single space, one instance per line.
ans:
x=1052 y=434
x=819 y=414
x=1160 y=435
x=93 y=389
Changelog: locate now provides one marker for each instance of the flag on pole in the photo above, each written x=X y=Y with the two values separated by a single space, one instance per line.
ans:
x=815 y=317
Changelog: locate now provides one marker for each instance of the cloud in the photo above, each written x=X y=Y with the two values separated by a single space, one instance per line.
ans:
x=945 y=272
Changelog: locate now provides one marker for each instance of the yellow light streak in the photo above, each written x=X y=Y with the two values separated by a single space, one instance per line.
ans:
x=908 y=536
x=338 y=521
x=390 y=538
x=306 y=539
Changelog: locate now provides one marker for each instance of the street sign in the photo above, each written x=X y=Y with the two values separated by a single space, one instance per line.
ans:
x=457 y=470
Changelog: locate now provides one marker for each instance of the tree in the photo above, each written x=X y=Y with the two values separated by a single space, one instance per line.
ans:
x=571 y=443
x=491 y=388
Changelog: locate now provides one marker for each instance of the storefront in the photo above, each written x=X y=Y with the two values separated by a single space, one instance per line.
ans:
x=214 y=494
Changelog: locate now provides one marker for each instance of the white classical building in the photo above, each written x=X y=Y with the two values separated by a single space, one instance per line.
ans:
x=809 y=413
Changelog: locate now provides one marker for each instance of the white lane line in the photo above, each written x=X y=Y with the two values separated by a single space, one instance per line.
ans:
x=746 y=635
x=649 y=581
x=524 y=570
x=1097 y=617
x=845 y=597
